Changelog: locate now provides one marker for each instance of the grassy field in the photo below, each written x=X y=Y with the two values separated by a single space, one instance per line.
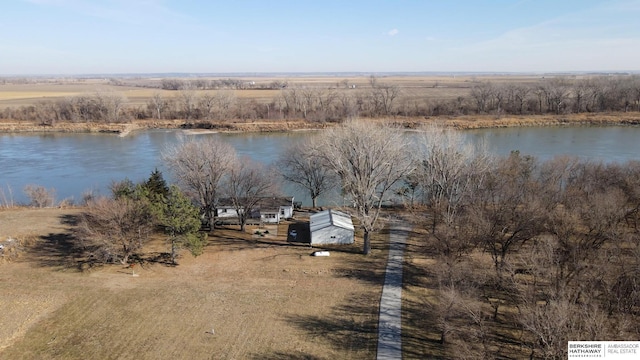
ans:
x=245 y=297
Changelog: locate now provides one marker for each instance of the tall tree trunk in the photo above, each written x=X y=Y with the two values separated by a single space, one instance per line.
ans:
x=367 y=242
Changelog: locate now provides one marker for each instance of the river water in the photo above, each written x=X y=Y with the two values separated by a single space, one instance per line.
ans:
x=75 y=163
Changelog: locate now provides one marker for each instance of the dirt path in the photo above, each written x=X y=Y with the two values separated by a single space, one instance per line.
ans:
x=390 y=320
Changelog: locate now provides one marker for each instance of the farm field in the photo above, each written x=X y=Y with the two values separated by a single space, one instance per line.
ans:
x=245 y=297
x=435 y=87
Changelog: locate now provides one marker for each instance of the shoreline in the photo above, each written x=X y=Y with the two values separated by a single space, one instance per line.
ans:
x=465 y=122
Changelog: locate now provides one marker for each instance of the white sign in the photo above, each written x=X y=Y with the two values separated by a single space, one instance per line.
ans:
x=614 y=350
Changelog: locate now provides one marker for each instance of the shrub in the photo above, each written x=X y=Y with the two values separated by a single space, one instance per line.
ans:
x=39 y=196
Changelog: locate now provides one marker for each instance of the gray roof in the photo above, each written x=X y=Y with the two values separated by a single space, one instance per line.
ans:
x=328 y=218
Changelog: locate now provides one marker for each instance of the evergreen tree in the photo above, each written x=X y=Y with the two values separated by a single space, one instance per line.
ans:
x=181 y=221
x=156 y=184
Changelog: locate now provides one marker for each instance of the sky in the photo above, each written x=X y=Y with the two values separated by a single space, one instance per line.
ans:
x=74 y=37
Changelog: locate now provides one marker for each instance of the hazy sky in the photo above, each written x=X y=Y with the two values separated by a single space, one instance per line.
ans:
x=144 y=36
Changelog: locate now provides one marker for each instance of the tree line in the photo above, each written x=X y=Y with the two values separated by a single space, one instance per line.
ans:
x=193 y=101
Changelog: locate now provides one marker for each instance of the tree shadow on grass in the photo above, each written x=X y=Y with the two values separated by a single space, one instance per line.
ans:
x=420 y=329
x=352 y=326
x=70 y=219
x=286 y=356
x=59 y=250
x=368 y=268
x=372 y=272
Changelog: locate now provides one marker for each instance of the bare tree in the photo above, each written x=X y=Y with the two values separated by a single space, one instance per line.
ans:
x=248 y=182
x=46 y=113
x=109 y=106
x=590 y=216
x=115 y=103
x=482 y=94
x=557 y=92
x=369 y=159
x=292 y=99
x=116 y=228
x=198 y=166
x=507 y=210
x=302 y=165
x=172 y=84
x=382 y=96
x=447 y=168
x=157 y=104
x=206 y=104
x=188 y=100
x=224 y=102
x=84 y=108
x=521 y=92
x=348 y=107
x=448 y=173
x=552 y=315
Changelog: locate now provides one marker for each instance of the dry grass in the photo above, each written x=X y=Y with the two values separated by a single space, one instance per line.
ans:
x=261 y=298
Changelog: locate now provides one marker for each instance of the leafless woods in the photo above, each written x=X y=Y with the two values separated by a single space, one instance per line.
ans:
x=547 y=249
x=201 y=102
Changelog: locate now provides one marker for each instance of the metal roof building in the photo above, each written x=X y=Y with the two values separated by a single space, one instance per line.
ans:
x=331 y=227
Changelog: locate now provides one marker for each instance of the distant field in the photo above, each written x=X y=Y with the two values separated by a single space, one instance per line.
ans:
x=412 y=87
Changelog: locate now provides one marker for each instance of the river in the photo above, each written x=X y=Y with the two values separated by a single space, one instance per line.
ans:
x=75 y=163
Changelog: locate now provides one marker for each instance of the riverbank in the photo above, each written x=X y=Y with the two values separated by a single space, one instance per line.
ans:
x=457 y=122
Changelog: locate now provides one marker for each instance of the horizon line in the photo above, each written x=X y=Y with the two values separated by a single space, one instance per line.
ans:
x=319 y=73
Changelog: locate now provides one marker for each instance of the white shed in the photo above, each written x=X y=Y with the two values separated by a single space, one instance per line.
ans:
x=331 y=227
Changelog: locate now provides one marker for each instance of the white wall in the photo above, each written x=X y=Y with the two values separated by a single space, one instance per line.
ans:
x=288 y=212
x=229 y=213
x=332 y=235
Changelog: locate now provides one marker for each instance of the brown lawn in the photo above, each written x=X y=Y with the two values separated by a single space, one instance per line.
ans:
x=247 y=296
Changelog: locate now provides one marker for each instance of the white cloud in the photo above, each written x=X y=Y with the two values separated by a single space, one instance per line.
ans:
x=393 y=32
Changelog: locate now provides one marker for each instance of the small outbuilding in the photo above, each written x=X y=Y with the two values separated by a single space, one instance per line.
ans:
x=331 y=227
